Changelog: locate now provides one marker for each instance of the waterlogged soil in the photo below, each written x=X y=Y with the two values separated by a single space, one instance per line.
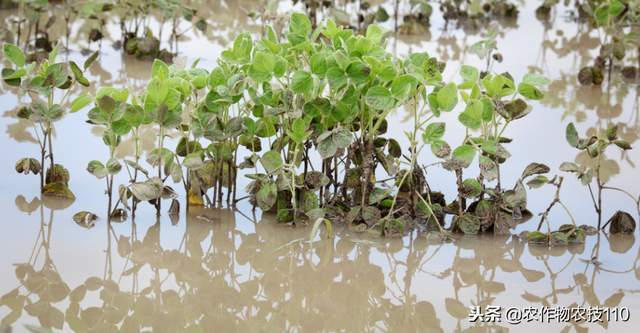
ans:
x=239 y=271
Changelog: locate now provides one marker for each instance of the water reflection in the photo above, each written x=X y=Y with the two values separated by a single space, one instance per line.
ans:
x=218 y=277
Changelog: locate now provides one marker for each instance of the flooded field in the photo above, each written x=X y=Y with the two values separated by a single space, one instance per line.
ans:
x=239 y=269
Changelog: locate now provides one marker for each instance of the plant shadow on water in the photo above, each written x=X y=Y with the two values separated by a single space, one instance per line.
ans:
x=215 y=276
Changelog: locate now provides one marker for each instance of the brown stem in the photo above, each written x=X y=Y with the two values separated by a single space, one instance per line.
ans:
x=53 y=168
x=460 y=198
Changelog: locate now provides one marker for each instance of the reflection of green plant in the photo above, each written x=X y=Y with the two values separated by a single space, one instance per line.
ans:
x=595 y=146
x=485 y=48
x=49 y=77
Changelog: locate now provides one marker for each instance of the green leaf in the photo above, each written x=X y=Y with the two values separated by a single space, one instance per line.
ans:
x=587 y=177
x=41 y=113
x=14 y=54
x=488 y=168
x=529 y=91
x=193 y=161
x=242 y=46
x=612 y=133
x=469 y=73
x=394 y=148
x=487 y=109
x=569 y=167
x=572 y=135
x=92 y=58
x=318 y=64
x=538 y=181
x=601 y=14
x=358 y=72
x=403 y=86
x=616 y=8
x=469 y=224
x=267 y=196
x=157 y=90
x=494 y=148
x=434 y=132
x=327 y=148
x=622 y=144
x=536 y=79
x=471 y=188
x=300 y=25
x=317 y=107
x=464 y=154
x=272 y=162
x=447 y=97
x=10 y=74
x=137 y=167
x=97 y=169
x=80 y=102
x=154 y=159
x=377 y=195
x=375 y=33
x=107 y=104
x=264 y=62
x=379 y=98
x=160 y=70
x=301 y=82
x=148 y=190
x=113 y=166
x=440 y=149
x=337 y=78
x=472 y=115
x=298 y=127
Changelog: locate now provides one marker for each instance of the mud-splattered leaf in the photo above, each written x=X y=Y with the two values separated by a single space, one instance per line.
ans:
x=267 y=196
x=441 y=149
x=534 y=169
x=622 y=144
x=488 y=168
x=371 y=215
x=272 y=162
x=471 y=188
x=308 y=200
x=315 y=180
x=148 y=190
x=193 y=161
x=464 y=154
x=26 y=165
x=377 y=195
x=469 y=224
x=622 y=222
x=60 y=189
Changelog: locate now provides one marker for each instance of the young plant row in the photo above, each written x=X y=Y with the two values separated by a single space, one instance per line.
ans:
x=617 y=22
x=274 y=107
x=37 y=17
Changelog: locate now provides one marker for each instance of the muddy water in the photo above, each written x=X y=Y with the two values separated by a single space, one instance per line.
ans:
x=224 y=270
